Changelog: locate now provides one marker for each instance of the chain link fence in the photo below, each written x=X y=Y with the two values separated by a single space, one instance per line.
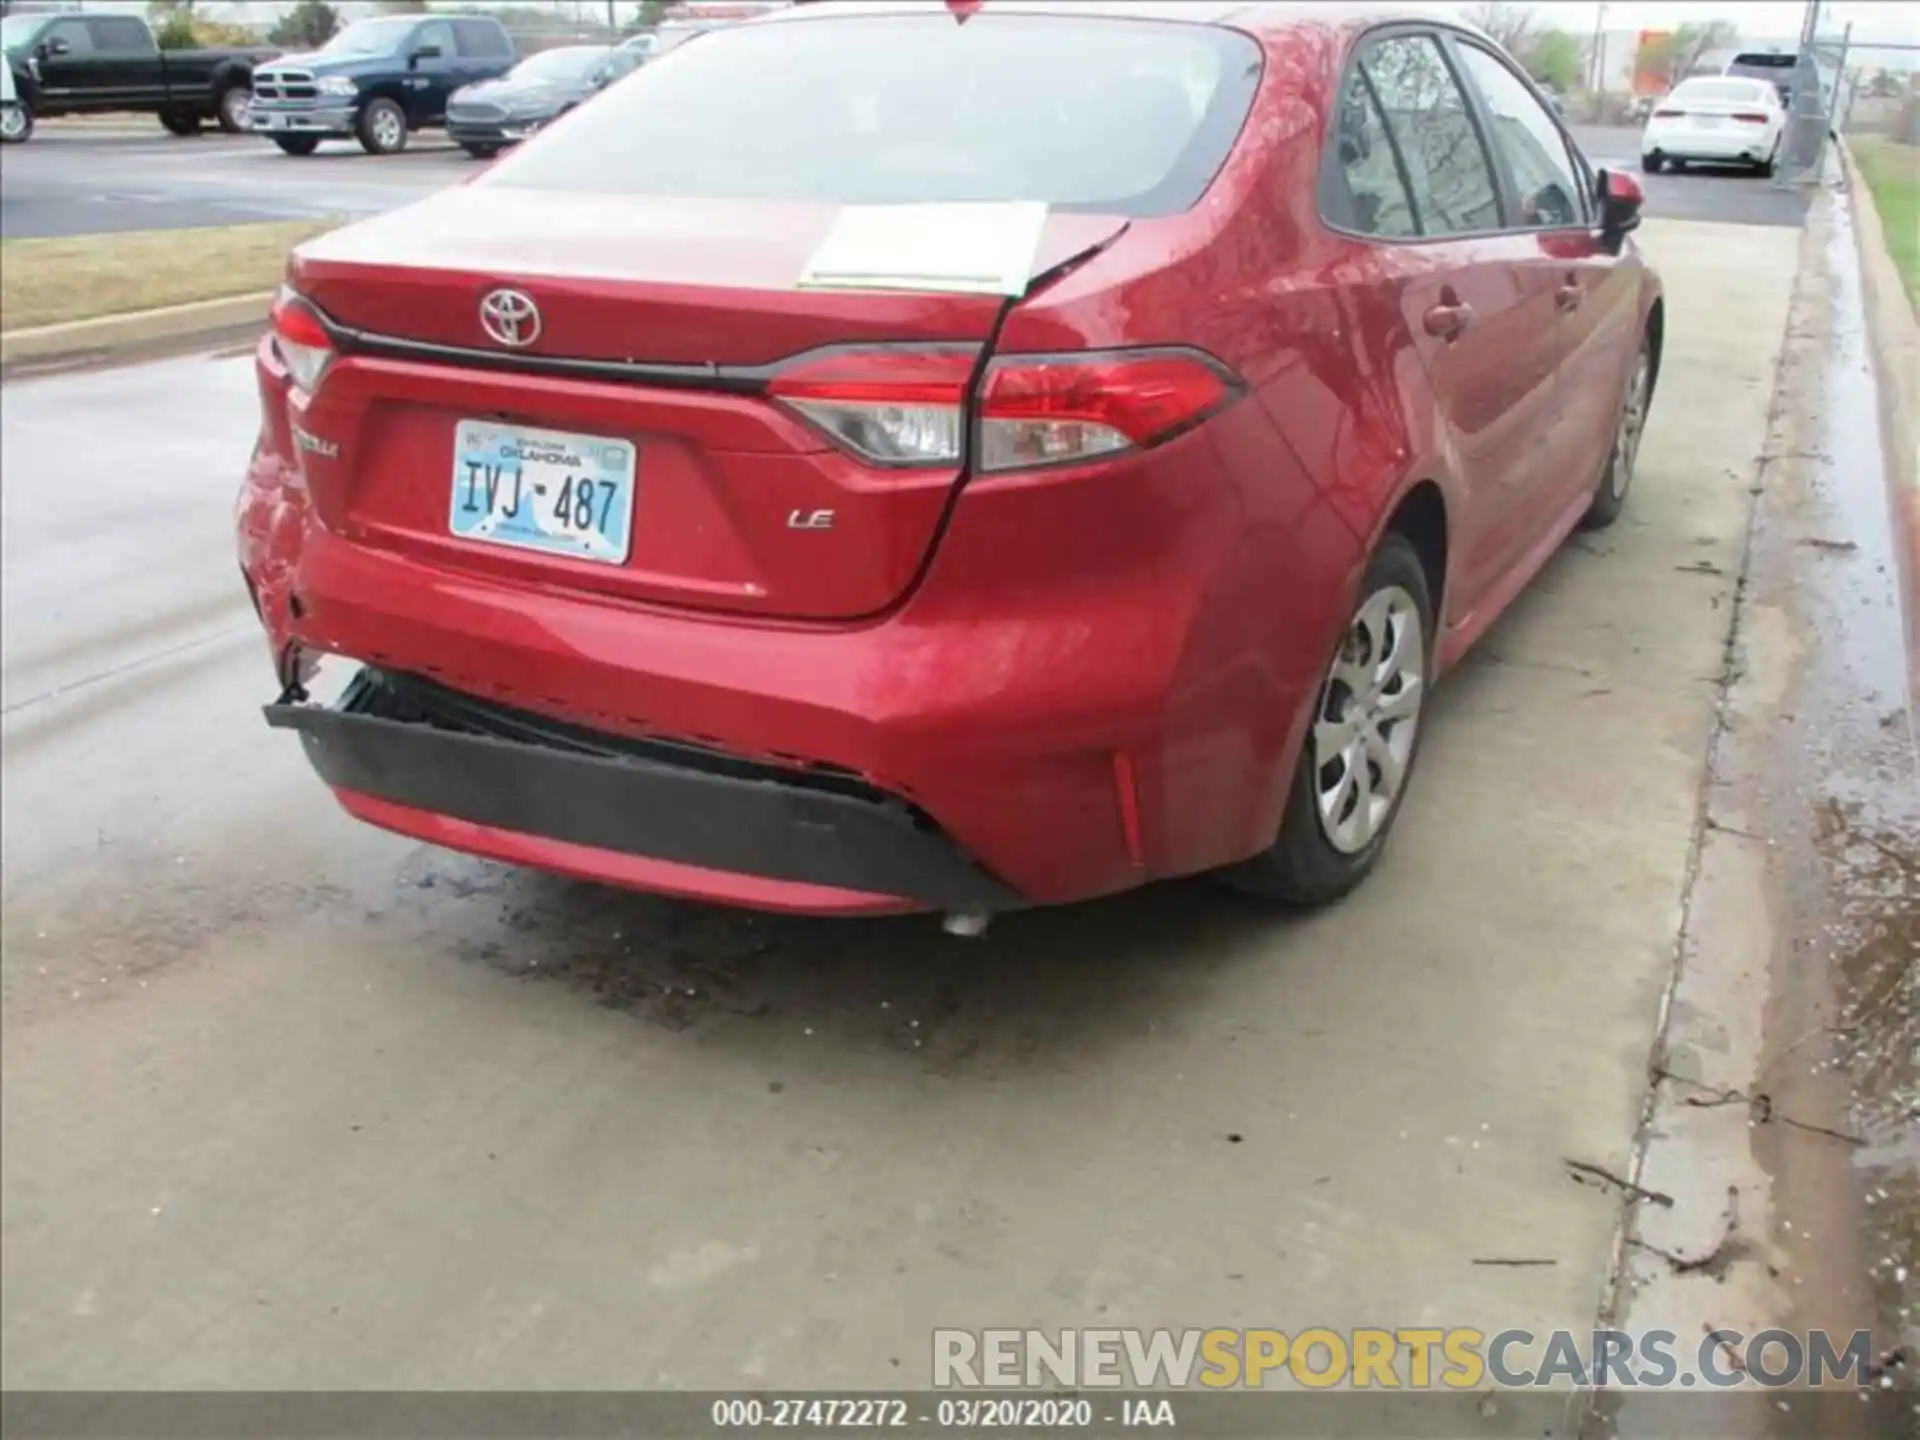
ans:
x=1842 y=86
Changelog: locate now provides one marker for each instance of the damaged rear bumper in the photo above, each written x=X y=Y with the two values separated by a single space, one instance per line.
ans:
x=448 y=767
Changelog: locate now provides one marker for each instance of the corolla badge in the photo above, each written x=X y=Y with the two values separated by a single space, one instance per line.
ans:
x=510 y=317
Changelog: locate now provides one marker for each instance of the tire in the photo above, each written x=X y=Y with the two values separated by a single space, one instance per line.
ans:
x=1326 y=844
x=1653 y=164
x=482 y=152
x=16 y=125
x=1610 y=498
x=382 y=128
x=297 y=144
x=231 y=108
x=180 y=122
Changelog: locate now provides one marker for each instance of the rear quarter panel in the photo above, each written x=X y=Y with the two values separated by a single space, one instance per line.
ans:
x=1261 y=551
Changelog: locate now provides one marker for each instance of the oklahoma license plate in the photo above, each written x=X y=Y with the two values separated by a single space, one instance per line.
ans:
x=543 y=490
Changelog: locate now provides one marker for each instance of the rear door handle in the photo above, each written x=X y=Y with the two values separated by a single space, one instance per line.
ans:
x=1568 y=296
x=1447 y=321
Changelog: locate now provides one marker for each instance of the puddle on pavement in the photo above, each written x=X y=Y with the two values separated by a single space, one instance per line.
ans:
x=1843 y=1044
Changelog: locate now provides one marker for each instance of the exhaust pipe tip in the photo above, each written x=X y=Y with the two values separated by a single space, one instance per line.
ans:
x=967 y=924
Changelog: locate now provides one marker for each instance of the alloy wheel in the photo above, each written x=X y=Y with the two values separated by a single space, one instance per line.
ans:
x=387 y=130
x=1633 y=420
x=1363 y=730
x=236 y=109
x=13 y=122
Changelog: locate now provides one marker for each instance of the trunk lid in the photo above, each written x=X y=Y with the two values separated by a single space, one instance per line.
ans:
x=659 y=321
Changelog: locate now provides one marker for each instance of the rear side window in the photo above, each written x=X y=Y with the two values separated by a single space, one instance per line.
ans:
x=479 y=40
x=1368 y=194
x=1122 y=116
x=1452 y=182
x=122 y=37
x=1545 y=179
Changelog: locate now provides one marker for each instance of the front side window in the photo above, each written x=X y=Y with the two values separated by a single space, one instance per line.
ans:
x=909 y=109
x=75 y=32
x=1370 y=194
x=1546 y=183
x=1453 y=189
x=437 y=36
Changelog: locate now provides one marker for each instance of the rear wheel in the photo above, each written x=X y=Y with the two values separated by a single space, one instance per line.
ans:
x=297 y=144
x=1358 y=753
x=16 y=124
x=180 y=121
x=383 y=128
x=234 y=109
x=1653 y=164
x=1611 y=498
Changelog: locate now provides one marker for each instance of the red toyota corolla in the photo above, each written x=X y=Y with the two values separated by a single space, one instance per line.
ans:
x=952 y=457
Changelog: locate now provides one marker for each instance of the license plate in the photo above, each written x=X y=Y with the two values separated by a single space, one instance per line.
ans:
x=1707 y=122
x=273 y=122
x=543 y=490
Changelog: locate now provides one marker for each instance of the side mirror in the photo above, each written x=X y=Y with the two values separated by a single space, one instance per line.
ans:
x=424 y=52
x=1620 y=199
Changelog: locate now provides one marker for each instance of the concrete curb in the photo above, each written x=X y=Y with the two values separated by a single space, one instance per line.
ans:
x=1893 y=335
x=110 y=333
x=1896 y=333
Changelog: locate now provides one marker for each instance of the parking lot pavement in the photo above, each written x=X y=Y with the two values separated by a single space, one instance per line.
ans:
x=1719 y=193
x=80 y=180
x=290 y=1102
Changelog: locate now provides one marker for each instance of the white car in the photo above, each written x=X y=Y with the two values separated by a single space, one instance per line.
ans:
x=1718 y=119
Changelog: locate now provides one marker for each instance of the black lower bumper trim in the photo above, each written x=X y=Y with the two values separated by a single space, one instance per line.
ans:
x=417 y=744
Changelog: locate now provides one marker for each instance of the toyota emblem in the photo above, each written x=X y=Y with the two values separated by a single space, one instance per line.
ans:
x=511 y=317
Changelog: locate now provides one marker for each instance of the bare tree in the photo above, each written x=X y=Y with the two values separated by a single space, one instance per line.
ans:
x=1511 y=25
x=1693 y=43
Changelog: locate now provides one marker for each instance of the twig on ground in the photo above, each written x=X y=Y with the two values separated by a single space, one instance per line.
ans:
x=1584 y=1172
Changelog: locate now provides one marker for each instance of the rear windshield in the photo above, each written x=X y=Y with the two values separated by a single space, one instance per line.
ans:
x=1732 y=92
x=1119 y=116
x=1768 y=62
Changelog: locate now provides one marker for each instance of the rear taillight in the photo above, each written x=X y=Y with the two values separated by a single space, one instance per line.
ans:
x=906 y=407
x=893 y=407
x=300 y=340
x=1750 y=117
x=1055 y=410
x=1666 y=114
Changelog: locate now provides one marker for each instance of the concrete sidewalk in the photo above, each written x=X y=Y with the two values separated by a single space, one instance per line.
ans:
x=289 y=1103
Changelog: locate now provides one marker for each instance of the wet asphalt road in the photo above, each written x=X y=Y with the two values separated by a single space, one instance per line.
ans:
x=78 y=180
x=1720 y=193
x=289 y=1102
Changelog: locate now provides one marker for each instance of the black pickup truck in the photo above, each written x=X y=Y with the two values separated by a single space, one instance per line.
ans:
x=67 y=64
